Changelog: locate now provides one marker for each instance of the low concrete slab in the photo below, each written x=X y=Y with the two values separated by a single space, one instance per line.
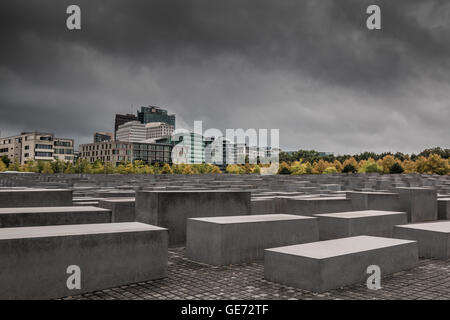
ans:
x=170 y=209
x=308 y=206
x=123 y=209
x=444 y=209
x=47 y=216
x=230 y=240
x=326 y=265
x=384 y=201
x=356 y=223
x=35 y=198
x=34 y=260
x=433 y=238
x=419 y=203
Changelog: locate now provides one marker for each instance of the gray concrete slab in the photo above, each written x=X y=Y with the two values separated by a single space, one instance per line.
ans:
x=35 y=198
x=46 y=216
x=419 y=203
x=355 y=223
x=237 y=239
x=34 y=260
x=384 y=201
x=433 y=238
x=123 y=209
x=325 y=265
x=170 y=209
x=444 y=208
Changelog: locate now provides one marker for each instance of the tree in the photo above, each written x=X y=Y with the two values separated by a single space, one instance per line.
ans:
x=396 y=168
x=330 y=170
x=284 y=168
x=5 y=160
x=3 y=166
x=387 y=162
x=216 y=170
x=256 y=169
x=370 y=166
x=14 y=166
x=187 y=169
x=166 y=169
x=349 y=168
x=233 y=169
x=47 y=167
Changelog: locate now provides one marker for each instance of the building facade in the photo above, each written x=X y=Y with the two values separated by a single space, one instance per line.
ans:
x=103 y=136
x=121 y=119
x=115 y=152
x=34 y=146
x=155 y=114
x=132 y=131
x=156 y=130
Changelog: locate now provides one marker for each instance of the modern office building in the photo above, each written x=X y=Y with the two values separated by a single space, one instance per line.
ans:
x=103 y=136
x=115 y=152
x=155 y=114
x=121 y=119
x=132 y=131
x=156 y=130
x=36 y=146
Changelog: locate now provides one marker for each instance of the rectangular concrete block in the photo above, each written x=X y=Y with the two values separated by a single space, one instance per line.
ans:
x=374 y=201
x=230 y=240
x=419 y=203
x=123 y=209
x=34 y=260
x=433 y=238
x=326 y=265
x=356 y=223
x=308 y=206
x=47 y=216
x=444 y=209
x=171 y=209
x=35 y=198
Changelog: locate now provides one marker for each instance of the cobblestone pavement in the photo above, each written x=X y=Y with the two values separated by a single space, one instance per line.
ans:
x=190 y=280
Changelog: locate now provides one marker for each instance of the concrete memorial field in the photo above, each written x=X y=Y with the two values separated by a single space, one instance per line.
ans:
x=223 y=236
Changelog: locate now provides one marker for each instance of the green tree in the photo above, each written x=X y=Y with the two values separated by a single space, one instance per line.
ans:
x=3 y=166
x=396 y=168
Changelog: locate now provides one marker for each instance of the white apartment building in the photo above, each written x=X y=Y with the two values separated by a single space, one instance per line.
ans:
x=158 y=129
x=134 y=131
x=36 y=146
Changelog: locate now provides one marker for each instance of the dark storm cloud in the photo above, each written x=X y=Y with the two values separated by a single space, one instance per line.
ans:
x=310 y=68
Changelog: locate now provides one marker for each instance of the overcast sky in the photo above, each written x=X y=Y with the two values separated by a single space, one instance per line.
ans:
x=310 y=68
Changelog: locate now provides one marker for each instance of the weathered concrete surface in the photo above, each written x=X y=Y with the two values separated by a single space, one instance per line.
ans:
x=230 y=240
x=384 y=201
x=356 y=223
x=419 y=203
x=444 y=209
x=171 y=209
x=35 y=198
x=47 y=216
x=34 y=260
x=123 y=209
x=325 y=265
x=433 y=238
x=314 y=205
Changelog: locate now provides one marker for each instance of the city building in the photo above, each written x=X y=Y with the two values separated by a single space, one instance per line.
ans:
x=155 y=114
x=121 y=119
x=36 y=146
x=155 y=130
x=115 y=152
x=103 y=136
x=132 y=131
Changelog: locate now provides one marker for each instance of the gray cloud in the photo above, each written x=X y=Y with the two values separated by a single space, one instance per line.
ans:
x=310 y=68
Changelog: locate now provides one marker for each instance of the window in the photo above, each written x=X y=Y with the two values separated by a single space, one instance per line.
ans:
x=43 y=154
x=27 y=155
x=44 y=146
x=27 y=147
